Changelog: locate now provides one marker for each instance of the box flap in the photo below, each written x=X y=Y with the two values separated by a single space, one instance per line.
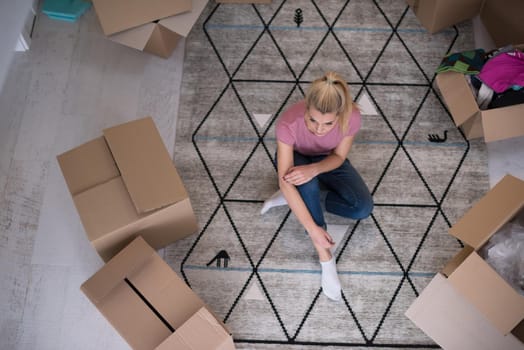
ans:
x=456 y=261
x=489 y=293
x=136 y=254
x=458 y=96
x=161 y=286
x=162 y=41
x=132 y=318
x=503 y=123
x=472 y=127
x=168 y=224
x=87 y=165
x=145 y=165
x=135 y=37
x=158 y=229
x=111 y=244
x=119 y=15
x=200 y=332
x=183 y=23
x=453 y=323
x=492 y=211
x=105 y=208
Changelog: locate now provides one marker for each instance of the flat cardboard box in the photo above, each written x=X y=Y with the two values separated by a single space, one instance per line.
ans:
x=150 y=306
x=504 y=21
x=492 y=124
x=124 y=184
x=468 y=305
x=154 y=26
x=435 y=15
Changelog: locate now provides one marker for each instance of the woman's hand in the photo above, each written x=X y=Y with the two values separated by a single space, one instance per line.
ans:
x=320 y=237
x=300 y=174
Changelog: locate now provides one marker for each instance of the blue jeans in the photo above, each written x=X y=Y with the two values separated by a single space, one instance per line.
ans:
x=348 y=195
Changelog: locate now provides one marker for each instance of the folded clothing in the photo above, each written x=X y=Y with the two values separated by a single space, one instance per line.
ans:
x=466 y=62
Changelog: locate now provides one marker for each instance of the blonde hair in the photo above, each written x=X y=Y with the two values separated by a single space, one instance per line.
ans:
x=330 y=94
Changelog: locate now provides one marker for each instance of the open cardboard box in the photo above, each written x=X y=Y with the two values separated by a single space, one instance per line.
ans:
x=150 y=306
x=503 y=21
x=154 y=26
x=492 y=124
x=473 y=277
x=124 y=184
x=468 y=305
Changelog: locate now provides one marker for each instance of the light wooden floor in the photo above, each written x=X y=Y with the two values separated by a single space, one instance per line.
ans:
x=64 y=91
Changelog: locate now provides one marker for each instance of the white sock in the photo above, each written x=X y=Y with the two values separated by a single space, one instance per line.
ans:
x=277 y=199
x=330 y=282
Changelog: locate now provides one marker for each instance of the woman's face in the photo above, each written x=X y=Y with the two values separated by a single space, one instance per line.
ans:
x=318 y=123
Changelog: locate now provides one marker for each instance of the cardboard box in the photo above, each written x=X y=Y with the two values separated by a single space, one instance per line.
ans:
x=154 y=26
x=468 y=305
x=200 y=332
x=124 y=184
x=453 y=323
x=150 y=306
x=504 y=21
x=435 y=15
x=474 y=278
x=492 y=124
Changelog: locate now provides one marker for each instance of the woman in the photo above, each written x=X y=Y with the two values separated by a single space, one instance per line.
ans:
x=314 y=137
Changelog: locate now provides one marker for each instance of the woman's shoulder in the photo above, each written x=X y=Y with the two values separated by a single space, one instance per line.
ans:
x=355 y=113
x=294 y=112
x=354 y=121
x=288 y=124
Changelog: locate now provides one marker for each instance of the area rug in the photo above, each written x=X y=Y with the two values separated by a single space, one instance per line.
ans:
x=244 y=65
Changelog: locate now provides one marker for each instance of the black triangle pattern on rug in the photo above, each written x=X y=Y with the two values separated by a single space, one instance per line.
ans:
x=266 y=64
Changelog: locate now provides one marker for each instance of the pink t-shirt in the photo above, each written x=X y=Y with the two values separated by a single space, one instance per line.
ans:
x=292 y=130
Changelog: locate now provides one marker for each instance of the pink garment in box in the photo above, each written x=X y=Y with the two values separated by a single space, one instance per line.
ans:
x=504 y=71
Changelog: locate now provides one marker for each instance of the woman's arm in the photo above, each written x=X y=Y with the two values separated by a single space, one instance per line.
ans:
x=298 y=175
x=285 y=162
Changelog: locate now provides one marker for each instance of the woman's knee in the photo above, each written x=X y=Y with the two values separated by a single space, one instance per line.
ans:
x=310 y=187
x=364 y=208
x=353 y=208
